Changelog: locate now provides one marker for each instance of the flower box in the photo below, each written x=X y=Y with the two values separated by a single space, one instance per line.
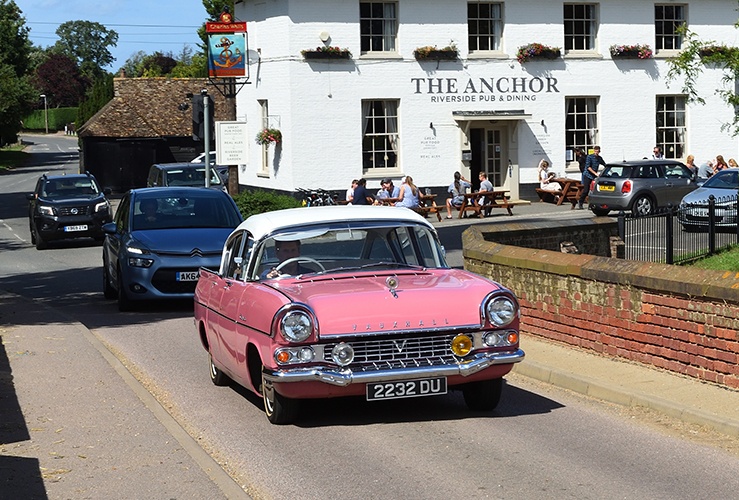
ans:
x=537 y=51
x=448 y=53
x=267 y=136
x=709 y=51
x=326 y=53
x=631 y=51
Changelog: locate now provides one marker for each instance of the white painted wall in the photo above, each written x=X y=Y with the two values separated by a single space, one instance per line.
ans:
x=318 y=104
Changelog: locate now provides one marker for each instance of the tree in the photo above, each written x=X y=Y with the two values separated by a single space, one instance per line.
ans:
x=60 y=80
x=157 y=64
x=86 y=43
x=97 y=97
x=689 y=64
x=198 y=68
x=16 y=92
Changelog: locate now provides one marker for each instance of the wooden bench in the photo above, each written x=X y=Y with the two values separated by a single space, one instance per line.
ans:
x=571 y=190
x=427 y=205
x=491 y=199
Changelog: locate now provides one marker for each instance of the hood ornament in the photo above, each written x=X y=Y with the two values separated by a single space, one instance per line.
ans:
x=392 y=284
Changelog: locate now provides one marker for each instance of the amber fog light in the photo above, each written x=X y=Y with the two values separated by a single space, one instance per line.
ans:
x=342 y=354
x=461 y=345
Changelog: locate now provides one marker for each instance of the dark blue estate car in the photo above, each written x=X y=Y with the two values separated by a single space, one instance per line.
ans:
x=159 y=240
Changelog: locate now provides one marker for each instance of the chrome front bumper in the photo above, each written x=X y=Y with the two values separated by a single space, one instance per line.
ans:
x=345 y=377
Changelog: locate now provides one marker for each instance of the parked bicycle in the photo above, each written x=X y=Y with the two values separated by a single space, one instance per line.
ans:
x=317 y=197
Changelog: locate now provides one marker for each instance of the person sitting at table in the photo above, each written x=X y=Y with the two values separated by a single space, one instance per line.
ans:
x=457 y=190
x=485 y=186
x=361 y=195
x=408 y=195
x=350 y=191
x=387 y=189
x=545 y=177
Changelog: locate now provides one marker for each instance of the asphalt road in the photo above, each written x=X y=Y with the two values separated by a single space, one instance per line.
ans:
x=541 y=442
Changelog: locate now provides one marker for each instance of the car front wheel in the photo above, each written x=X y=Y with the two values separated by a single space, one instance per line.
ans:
x=108 y=291
x=39 y=241
x=279 y=409
x=643 y=205
x=217 y=376
x=124 y=303
x=483 y=395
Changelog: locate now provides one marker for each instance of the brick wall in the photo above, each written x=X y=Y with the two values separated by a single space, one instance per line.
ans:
x=678 y=318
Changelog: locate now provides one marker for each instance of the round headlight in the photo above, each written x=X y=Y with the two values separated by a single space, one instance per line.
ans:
x=501 y=311
x=296 y=326
x=342 y=354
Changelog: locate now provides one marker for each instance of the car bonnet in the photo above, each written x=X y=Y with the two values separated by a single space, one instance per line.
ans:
x=207 y=240
x=390 y=300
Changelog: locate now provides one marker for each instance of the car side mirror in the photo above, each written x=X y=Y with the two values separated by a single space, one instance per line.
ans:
x=110 y=228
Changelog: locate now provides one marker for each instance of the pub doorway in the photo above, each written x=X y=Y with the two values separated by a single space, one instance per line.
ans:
x=488 y=147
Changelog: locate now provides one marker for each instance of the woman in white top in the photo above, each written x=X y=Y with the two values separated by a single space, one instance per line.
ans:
x=545 y=177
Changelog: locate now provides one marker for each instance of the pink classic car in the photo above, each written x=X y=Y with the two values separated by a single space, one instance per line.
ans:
x=351 y=301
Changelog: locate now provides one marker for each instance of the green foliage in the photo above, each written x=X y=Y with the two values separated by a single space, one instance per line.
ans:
x=257 y=202
x=98 y=96
x=17 y=95
x=86 y=43
x=197 y=68
x=58 y=117
x=690 y=62
x=14 y=44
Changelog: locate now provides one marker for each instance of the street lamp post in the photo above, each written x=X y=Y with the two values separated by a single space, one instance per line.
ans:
x=46 y=113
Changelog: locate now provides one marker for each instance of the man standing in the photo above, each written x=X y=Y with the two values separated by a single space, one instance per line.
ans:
x=592 y=164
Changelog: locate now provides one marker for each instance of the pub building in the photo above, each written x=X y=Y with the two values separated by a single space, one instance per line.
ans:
x=426 y=88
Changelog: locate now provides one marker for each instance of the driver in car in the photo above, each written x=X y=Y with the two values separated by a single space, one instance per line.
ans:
x=286 y=250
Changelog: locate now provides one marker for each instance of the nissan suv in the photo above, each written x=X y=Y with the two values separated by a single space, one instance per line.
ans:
x=67 y=206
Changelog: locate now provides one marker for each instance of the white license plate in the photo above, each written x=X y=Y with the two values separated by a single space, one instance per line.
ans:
x=69 y=229
x=406 y=388
x=187 y=276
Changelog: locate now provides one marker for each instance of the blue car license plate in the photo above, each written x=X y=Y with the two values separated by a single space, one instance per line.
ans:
x=187 y=276
x=406 y=388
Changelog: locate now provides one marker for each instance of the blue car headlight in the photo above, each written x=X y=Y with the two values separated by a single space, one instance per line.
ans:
x=136 y=257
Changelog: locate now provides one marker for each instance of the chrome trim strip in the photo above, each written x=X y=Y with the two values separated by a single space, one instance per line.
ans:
x=343 y=378
x=353 y=336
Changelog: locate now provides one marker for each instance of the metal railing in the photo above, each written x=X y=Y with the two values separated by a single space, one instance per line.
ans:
x=678 y=235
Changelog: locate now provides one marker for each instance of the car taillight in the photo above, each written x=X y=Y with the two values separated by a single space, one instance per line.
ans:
x=626 y=188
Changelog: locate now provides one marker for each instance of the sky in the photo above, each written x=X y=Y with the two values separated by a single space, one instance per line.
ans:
x=148 y=25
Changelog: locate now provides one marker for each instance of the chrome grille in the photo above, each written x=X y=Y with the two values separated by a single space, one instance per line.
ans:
x=398 y=352
x=83 y=210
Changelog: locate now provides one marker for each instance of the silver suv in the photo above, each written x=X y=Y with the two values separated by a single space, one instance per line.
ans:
x=183 y=175
x=640 y=186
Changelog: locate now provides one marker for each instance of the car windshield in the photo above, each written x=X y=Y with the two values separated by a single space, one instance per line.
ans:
x=167 y=212
x=339 y=248
x=194 y=177
x=82 y=187
x=723 y=180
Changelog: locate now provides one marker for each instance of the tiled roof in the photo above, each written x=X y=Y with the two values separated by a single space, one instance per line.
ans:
x=149 y=107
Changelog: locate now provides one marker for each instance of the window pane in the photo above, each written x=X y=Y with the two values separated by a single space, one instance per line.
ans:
x=380 y=141
x=484 y=25
x=378 y=26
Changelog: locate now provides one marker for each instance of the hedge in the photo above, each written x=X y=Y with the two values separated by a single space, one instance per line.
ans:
x=58 y=117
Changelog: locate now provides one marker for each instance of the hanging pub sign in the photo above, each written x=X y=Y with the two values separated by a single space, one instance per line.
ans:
x=227 y=49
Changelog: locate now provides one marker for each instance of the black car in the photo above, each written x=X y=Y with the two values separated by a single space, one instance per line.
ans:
x=67 y=206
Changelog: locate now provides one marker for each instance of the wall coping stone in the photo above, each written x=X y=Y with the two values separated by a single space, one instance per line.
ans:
x=681 y=280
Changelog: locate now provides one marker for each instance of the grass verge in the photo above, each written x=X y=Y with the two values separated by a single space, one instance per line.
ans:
x=12 y=156
x=728 y=260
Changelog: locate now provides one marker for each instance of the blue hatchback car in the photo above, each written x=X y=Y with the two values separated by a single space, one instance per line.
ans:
x=159 y=240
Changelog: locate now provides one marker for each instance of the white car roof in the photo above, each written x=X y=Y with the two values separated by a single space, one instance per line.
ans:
x=260 y=225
